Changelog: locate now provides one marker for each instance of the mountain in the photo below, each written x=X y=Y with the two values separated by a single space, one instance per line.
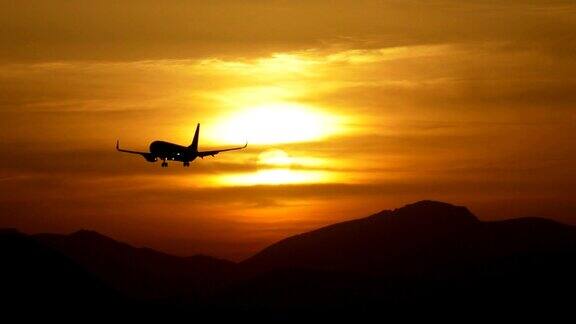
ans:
x=417 y=238
x=429 y=256
x=377 y=243
x=426 y=255
x=141 y=273
x=35 y=276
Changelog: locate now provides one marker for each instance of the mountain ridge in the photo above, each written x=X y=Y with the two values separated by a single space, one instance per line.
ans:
x=427 y=254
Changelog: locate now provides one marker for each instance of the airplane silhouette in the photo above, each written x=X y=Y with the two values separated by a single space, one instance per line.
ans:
x=166 y=151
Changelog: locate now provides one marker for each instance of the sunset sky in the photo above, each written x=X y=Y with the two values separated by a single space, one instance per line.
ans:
x=349 y=107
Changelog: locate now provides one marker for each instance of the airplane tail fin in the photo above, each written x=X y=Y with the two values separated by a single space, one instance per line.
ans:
x=194 y=145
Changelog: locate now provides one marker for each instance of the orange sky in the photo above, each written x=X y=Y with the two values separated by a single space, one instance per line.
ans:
x=350 y=107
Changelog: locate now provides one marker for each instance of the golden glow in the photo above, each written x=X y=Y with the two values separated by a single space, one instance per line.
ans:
x=378 y=114
x=277 y=123
x=275 y=177
x=274 y=157
x=278 y=64
x=275 y=168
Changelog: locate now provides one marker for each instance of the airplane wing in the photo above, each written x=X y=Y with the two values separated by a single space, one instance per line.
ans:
x=146 y=155
x=212 y=153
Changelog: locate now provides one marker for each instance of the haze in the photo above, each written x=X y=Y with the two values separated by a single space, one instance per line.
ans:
x=350 y=107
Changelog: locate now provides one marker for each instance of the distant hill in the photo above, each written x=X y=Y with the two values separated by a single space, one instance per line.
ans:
x=414 y=239
x=425 y=255
x=141 y=273
x=35 y=276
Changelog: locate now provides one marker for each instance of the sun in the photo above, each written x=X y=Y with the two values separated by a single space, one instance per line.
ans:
x=268 y=125
x=276 y=123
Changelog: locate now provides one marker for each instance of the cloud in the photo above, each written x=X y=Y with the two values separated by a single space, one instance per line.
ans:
x=111 y=31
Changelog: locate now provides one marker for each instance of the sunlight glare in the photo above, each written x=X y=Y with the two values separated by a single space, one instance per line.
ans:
x=276 y=177
x=275 y=168
x=276 y=123
x=275 y=157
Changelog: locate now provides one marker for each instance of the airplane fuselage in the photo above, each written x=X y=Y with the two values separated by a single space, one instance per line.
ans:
x=173 y=152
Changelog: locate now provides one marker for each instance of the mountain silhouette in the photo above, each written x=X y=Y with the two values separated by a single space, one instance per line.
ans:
x=416 y=238
x=141 y=273
x=33 y=275
x=427 y=255
x=380 y=242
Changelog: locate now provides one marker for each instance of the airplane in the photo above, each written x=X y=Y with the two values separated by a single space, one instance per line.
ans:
x=165 y=151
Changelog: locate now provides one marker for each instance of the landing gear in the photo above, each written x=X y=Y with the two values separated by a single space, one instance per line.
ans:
x=164 y=164
x=186 y=164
